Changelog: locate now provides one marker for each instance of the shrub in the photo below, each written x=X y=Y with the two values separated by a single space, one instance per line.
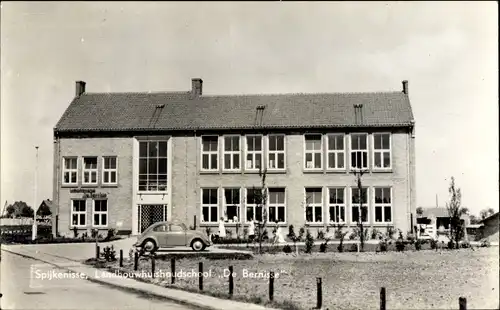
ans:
x=383 y=245
x=338 y=233
x=287 y=249
x=465 y=245
x=229 y=233
x=375 y=233
x=94 y=233
x=353 y=234
x=390 y=232
x=309 y=242
x=321 y=235
x=485 y=243
x=410 y=237
x=400 y=245
x=323 y=247
x=75 y=232
x=109 y=254
x=302 y=231
x=111 y=234
x=353 y=248
x=434 y=244
x=418 y=244
x=291 y=232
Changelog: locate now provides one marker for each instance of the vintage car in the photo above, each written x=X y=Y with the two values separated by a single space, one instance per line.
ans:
x=171 y=234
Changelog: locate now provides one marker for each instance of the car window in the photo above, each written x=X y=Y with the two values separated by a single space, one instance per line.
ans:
x=176 y=228
x=161 y=228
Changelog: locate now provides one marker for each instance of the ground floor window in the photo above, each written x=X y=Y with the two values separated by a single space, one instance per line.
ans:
x=78 y=212
x=100 y=213
x=253 y=204
x=336 y=205
x=359 y=205
x=383 y=206
x=314 y=205
x=232 y=204
x=276 y=204
x=209 y=205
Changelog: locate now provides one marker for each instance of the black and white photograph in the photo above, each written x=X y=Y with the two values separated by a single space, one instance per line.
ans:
x=249 y=155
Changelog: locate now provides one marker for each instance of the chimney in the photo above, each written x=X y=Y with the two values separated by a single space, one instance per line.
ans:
x=196 y=86
x=80 y=88
x=405 y=87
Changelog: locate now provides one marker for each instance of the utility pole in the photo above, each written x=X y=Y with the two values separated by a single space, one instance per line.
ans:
x=35 y=207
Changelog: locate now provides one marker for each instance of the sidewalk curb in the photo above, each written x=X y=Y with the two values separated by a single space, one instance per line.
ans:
x=189 y=303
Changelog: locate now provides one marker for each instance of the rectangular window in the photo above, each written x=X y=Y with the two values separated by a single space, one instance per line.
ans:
x=232 y=204
x=313 y=152
x=89 y=170
x=314 y=205
x=359 y=205
x=232 y=152
x=359 y=151
x=100 y=213
x=70 y=171
x=336 y=152
x=78 y=213
x=276 y=203
x=254 y=152
x=381 y=151
x=383 y=205
x=254 y=201
x=109 y=170
x=336 y=207
x=276 y=152
x=153 y=166
x=209 y=205
x=210 y=153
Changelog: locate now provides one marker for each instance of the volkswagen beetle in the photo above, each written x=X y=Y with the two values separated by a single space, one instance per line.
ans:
x=170 y=234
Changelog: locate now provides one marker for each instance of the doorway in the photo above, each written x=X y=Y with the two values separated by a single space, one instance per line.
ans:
x=150 y=214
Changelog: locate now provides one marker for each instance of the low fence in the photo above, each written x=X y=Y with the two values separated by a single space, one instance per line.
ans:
x=22 y=233
x=462 y=301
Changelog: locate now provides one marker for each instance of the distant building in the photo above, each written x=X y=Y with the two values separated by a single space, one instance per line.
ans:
x=127 y=160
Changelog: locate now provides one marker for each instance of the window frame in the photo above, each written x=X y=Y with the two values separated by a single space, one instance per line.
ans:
x=225 y=205
x=339 y=205
x=382 y=205
x=209 y=153
x=276 y=152
x=73 y=212
x=253 y=206
x=336 y=152
x=276 y=205
x=209 y=206
x=351 y=151
x=231 y=153
x=148 y=157
x=254 y=153
x=94 y=213
x=90 y=171
x=314 y=205
x=313 y=152
x=110 y=171
x=365 y=205
x=381 y=151
x=70 y=171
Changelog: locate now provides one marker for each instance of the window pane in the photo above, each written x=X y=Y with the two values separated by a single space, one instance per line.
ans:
x=273 y=196
x=75 y=219
x=378 y=214
x=236 y=143
x=206 y=214
x=272 y=143
x=362 y=142
x=378 y=195
x=258 y=213
x=281 y=214
x=378 y=160
x=257 y=160
x=281 y=161
x=96 y=219
x=163 y=148
x=90 y=162
x=236 y=161
x=232 y=212
x=309 y=160
x=354 y=162
x=213 y=161
x=309 y=214
x=272 y=214
x=106 y=177
x=143 y=166
x=113 y=177
x=162 y=168
x=342 y=214
x=272 y=161
x=227 y=143
x=213 y=196
x=205 y=196
x=249 y=215
x=378 y=141
x=82 y=220
x=153 y=165
x=227 y=161
x=258 y=143
x=112 y=163
x=387 y=195
x=94 y=177
x=153 y=149
x=317 y=160
x=340 y=160
x=331 y=214
x=318 y=214
x=213 y=214
x=143 y=149
x=365 y=160
x=317 y=196
x=280 y=143
x=250 y=143
x=331 y=160
x=387 y=214
x=387 y=159
x=205 y=161
x=313 y=142
x=364 y=214
x=386 y=141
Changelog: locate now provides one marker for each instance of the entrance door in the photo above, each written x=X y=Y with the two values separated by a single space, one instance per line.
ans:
x=150 y=214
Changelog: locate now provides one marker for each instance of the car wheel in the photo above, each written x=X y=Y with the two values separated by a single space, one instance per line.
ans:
x=149 y=245
x=197 y=245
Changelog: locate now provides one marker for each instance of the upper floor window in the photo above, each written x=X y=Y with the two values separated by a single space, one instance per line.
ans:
x=232 y=204
x=314 y=205
x=232 y=152
x=336 y=205
x=70 y=170
x=336 y=157
x=153 y=165
x=383 y=205
x=276 y=152
x=359 y=151
x=209 y=153
x=254 y=152
x=382 y=150
x=209 y=205
x=276 y=203
x=109 y=170
x=359 y=205
x=89 y=170
x=313 y=151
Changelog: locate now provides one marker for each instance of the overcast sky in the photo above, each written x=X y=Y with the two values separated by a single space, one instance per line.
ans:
x=448 y=51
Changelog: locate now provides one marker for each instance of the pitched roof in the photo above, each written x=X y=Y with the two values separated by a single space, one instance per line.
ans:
x=47 y=202
x=182 y=111
x=437 y=212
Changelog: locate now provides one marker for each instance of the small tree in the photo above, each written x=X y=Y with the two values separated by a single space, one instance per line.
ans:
x=455 y=212
x=358 y=174
x=261 y=206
